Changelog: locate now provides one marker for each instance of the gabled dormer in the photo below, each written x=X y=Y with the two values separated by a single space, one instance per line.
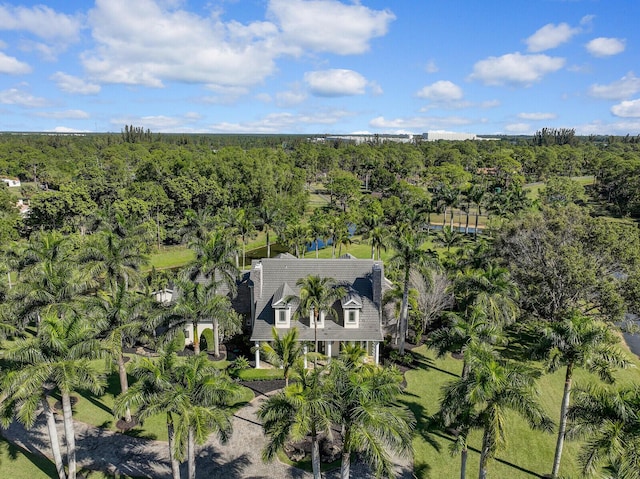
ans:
x=351 y=307
x=281 y=307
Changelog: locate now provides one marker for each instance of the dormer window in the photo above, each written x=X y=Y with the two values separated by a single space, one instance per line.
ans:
x=351 y=306
x=283 y=317
x=351 y=317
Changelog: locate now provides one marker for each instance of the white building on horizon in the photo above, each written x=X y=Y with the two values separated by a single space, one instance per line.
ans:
x=448 y=135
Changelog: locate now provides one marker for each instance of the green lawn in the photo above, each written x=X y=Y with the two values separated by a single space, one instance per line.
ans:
x=528 y=454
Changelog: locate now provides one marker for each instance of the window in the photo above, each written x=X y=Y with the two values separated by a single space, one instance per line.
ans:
x=351 y=318
x=186 y=334
x=282 y=316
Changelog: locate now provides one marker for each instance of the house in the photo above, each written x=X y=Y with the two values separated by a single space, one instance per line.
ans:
x=359 y=313
x=11 y=182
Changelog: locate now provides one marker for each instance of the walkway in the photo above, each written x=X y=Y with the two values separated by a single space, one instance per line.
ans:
x=112 y=452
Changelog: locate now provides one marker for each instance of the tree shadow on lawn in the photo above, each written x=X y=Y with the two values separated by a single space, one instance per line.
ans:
x=428 y=428
x=13 y=452
x=112 y=453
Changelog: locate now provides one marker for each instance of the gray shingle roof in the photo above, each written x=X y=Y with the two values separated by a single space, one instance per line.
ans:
x=271 y=276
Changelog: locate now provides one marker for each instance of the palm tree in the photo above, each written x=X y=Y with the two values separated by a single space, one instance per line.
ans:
x=317 y=296
x=609 y=422
x=449 y=237
x=490 y=289
x=476 y=194
x=409 y=256
x=209 y=395
x=577 y=341
x=57 y=358
x=153 y=393
x=246 y=229
x=198 y=303
x=492 y=387
x=297 y=236
x=364 y=405
x=215 y=262
x=268 y=216
x=120 y=317
x=301 y=409
x=283 y=352
x=113 y=259
x=378 y=236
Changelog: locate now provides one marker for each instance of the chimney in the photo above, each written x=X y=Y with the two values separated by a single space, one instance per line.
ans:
x=256 y=276
x=376 y=284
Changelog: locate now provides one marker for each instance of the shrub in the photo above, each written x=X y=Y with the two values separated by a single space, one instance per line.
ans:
x=206 y=340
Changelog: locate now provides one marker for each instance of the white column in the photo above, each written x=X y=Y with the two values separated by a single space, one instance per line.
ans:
x=376 y=353
x=328 y=343
x=304 y=353
x=257 y=354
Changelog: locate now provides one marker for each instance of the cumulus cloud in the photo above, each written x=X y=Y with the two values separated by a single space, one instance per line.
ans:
x=283 y=122
x=518 y=128
x=605 y=47
x=65 y=115
x=418 y=123
x=329 y=25
x=515 y=69
x=621 y=89
x=13 y=96
x=41 y=21
x=627 y=109
x=289 y=98
x=537 y=116
x=75 y=85
x=176 y=45
x=158 y=123
x=441 y=91
x=13 y=66
x=335 y=82
x=550 y=36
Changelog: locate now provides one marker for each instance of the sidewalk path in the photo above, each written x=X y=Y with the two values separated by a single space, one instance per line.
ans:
x=239 y=458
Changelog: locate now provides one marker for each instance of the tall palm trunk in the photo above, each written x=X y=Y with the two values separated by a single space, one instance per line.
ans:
x=268 y=245
x=317 y=248
x=373 y=250
x=563 y=420
x=53 y=438
x=315 y=456
x=463 y=463
x=69 y=434
x=404 y=311
x=475 y=231
x=216 y=338
x=124 y=384
x=175 y=466
x=484 y=456
x=196 y=339
x=345 y=466
x=191 y=451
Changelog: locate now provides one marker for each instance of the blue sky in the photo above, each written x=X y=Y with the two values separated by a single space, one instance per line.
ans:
x=320 y=66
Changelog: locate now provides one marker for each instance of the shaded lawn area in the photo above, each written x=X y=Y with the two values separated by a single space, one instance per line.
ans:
x=16 y=463
x=97 y=411
x=528 y=454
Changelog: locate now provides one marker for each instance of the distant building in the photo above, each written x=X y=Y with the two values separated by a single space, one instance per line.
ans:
x=11 y=182
x=448 y=136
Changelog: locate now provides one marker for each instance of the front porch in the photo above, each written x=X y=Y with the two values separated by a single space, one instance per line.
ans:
x=331 y=349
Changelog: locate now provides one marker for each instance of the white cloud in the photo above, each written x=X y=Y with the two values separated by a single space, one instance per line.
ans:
x=13 y=66
x=441 y=91
x=622 y=127
x=515 y=69
x=282 y=122
x=72 y=84
x=418 y=123
x=41 y=21
x=605 y=47
x=431 y=67
x=621 y=89
x=13 y=96
x=550 y=36
x=518 y=128
x=66 y=129
x=65 y=115
x=627 y=109
x=176 y=45
x=329 y=25
x=537 y=116
x=158 y=123
x=289 y=98
x=336 y=82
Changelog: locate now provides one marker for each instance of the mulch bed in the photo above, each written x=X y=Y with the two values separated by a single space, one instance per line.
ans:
x=264 y=387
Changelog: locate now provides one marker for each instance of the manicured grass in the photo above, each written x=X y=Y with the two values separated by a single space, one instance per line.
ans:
x=528 y=453
x=16 y=463
x=171 y=257
x=260 y=374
